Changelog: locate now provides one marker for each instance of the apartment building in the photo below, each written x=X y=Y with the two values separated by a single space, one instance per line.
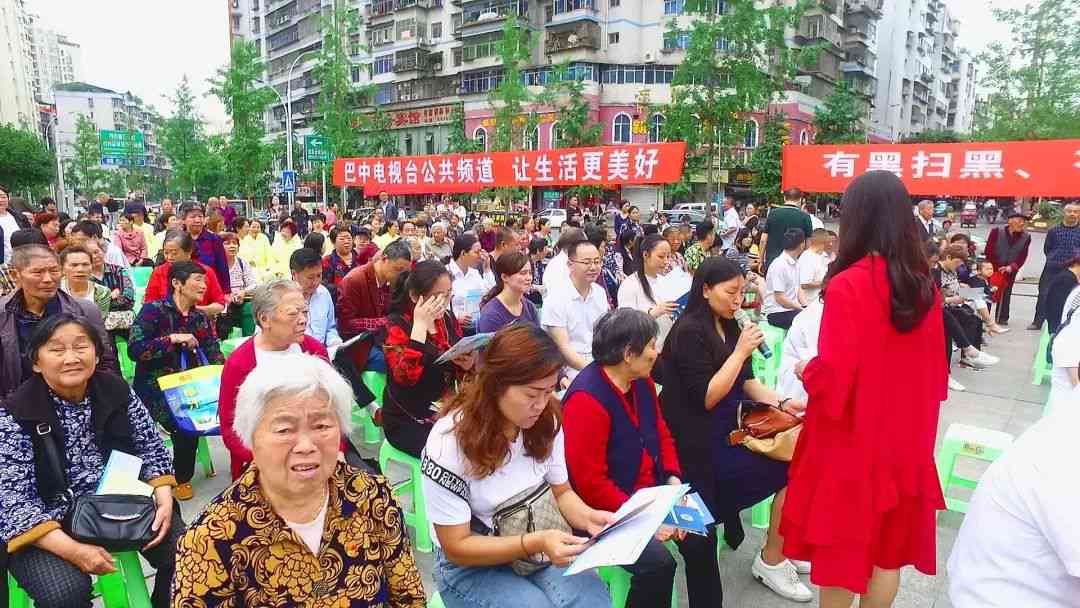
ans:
x=110 y=111
x=57 y=60
x=17 y=105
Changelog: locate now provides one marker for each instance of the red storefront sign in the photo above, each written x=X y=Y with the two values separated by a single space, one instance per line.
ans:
x=436 y=115
x=1013 y=168
x=601 y=166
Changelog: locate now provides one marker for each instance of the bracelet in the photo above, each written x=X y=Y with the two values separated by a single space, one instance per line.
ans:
x=523 y=549
x=780 y=405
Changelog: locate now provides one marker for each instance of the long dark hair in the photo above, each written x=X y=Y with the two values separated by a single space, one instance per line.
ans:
x=713 y=271
x=645 y=247
x=508 y=263
x=876 y=218
x=420 y=280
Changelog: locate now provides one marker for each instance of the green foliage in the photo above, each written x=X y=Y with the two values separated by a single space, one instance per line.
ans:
x=459 y=142
x=767 y=159
x=508 y=99
x=1034 y=77
x=736 y=63
x=247 y=159
x=944 y=136
x=576 y=127
x=840 y=118
x=377 y=137
x=83 y=170
x=338 y=95
x=24 y=160
x=183 y=139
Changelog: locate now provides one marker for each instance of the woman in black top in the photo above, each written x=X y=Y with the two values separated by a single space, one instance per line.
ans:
x=705 y=372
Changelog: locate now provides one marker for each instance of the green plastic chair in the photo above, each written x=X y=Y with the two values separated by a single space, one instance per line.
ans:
x=247 y=320
x=140 y=276
x=617 y=580
x=417 y=518
x=761 y=513
x=125 y=588
x=202 y=455
x=228 y=346
x=1041 y=367
x=127 y=366
x=435 y=601
x=768 y=370
x=376 y=383
x=965 y=441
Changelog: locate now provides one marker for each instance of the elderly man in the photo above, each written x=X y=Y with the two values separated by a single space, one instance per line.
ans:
x=1062 y=244
x=438 y=247
x=306 y=268
x=36 y=270
x=364 y=299
x=1007 y=249
x=924 y=215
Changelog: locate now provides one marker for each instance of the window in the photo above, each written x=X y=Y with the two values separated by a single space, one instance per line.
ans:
x=356 y=73
x=531 y=139
x=556 y=135
x=436 y=30
x=656 y=128
x=613 y=38
x=383 y=65
x=615 y=3
x=804 y=137
x=408 y=144
x=751 y=136
x=676 y=40
x=565 y=6
x=673 y=7
x=406 y=29
x=380 y=36
x=480 y=81
x=620 y=129
x=429 y=143
x=480 y=137
x=637 y=74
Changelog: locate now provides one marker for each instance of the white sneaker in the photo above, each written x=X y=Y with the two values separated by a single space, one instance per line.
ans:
x=782 y=578
x=980 y=361
x=800 y=566
x=955 y=386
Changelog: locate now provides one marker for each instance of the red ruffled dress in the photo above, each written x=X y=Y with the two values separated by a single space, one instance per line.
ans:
x=863 y=489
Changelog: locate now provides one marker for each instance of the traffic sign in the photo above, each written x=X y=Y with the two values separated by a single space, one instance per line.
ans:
x=288 y=181
x=317 y=149
x=119 y=161
x=122 y=143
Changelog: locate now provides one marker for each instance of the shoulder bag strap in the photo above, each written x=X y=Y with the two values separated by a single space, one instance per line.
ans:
x=51 y=455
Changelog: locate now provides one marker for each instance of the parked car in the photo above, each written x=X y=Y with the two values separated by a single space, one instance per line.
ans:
x=969 y=215
x=941 y=209
x=555 y=217
x=693 y=207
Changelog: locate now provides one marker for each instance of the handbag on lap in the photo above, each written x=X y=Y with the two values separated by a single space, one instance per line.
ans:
x=766 y=429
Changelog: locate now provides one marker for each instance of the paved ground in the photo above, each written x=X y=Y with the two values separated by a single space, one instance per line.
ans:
x=1001 y=398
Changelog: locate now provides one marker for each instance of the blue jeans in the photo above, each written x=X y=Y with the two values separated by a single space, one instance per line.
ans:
x=498 y=586
x=376 y=362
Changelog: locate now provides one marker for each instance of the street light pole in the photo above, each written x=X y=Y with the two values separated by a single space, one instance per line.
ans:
x=61 y=194
x=288 y=122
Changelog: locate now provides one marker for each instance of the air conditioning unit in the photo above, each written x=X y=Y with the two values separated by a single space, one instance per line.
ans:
x=650 y=57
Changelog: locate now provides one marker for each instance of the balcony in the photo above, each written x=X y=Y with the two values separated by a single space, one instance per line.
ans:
x=831 y=6
x=862 y=86
x=564 y=11
x=921 y=96
x=863 y=34
x=817 y=28
x=926 y=77
x=417 y=61
x=479 y=18
x=865 y=65
x=871 y=8
x=582 y=36
x=379 y=9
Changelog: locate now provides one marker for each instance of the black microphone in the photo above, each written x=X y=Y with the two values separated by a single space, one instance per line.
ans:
x=744 y=322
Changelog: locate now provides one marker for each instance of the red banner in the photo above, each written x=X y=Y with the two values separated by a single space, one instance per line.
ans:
x=456 y=173
x=1011 y=168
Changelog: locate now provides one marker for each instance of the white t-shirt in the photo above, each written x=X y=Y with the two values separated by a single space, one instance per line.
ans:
x=453 y=495
x=782 y=276
x=815 y=223
x=631 y=295
x=1066 y=354
x=9 y=225
x=267 y=357
x=311 y=532
x=812 y=269
x=800 y=344
x=557 y=272
x=731 y=220
x=566 y=308
x=469 y=287
x=1019 y=545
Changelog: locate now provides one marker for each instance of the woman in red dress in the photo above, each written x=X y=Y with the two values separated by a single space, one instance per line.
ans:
x=863 y=489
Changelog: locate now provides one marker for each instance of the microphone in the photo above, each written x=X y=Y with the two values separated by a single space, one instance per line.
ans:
x=744 y=322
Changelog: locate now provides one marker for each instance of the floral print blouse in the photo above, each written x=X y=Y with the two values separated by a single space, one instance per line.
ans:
x=239 y=552
x=116 y=277
x=25 y=516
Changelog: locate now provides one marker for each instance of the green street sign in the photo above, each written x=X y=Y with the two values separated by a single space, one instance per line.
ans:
x=122 y=143
x=317 y=149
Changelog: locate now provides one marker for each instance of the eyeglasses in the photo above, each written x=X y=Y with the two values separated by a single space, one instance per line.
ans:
x=594 y=262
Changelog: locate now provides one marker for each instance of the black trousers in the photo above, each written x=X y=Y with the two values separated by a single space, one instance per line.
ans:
x=1046 y=279
x=1002 y=316
x=782 y=319
x=53 y=582
x=653 y=576
x=184 y=446
x=959 y=329
x=703 y=582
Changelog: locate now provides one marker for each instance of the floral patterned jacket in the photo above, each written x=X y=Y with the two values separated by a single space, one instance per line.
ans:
x=238 y=552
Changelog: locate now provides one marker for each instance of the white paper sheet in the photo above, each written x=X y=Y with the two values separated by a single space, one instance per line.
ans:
x=624 y=545
x=673 y=285
x=121 y=476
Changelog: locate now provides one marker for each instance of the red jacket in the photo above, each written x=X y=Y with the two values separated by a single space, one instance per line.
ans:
x=359 y=310
x=157 y=288
x=586 y=428
x=237 y=367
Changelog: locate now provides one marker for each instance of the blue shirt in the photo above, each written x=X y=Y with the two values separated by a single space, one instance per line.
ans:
x=322 y=322
x=1062 y=244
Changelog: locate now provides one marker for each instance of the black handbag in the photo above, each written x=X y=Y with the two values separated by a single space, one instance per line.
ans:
x=115 y=522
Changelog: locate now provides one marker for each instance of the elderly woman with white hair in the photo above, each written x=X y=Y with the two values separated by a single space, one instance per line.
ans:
x=299 y=528
x=281 y=312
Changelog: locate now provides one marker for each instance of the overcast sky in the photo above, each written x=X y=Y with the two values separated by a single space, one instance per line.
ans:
x=147 y=46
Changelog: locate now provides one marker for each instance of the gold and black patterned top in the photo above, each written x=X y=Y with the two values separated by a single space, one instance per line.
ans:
x=239 y=552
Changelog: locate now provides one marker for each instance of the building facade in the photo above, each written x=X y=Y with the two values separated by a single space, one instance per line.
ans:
x=57 y=60
x=17 y=106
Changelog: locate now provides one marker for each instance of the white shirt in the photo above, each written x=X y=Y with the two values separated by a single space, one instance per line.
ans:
x=270 y=357
x=468 y=288
x=453 y=495
x=557 y=273
x=9 y=224
x=566 y=308
x=800 y=344
x=812 y=269
x=115 y=256
x=733 y=223
x=815 y=223
x=311 y=532
x=1019 y=545
x=782 y=276
x=461 y=212
x=631 y=295
x=1066 y=354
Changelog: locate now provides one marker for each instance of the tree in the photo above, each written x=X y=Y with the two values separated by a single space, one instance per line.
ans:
x=24 y=160
x=83 y=169
x=247 y=159
x=459 y=142
x=839 y=120
x=576 y=127
x=767 y=158
x=377 y=137
x=945 y=136
x=509 y=99
x=338 y=96
x=737 y=61
x=1034 y=77
x=183 y=139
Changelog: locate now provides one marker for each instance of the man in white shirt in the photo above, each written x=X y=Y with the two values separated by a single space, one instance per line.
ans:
x=813 y=264
x=815 y=221
x=557 y=274
x=469 y=284
x=783 y=295
x=1019 y=545
x=732 y=224
x=571 y=312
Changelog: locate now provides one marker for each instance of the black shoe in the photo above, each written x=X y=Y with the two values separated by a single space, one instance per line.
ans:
x=1034 y=327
